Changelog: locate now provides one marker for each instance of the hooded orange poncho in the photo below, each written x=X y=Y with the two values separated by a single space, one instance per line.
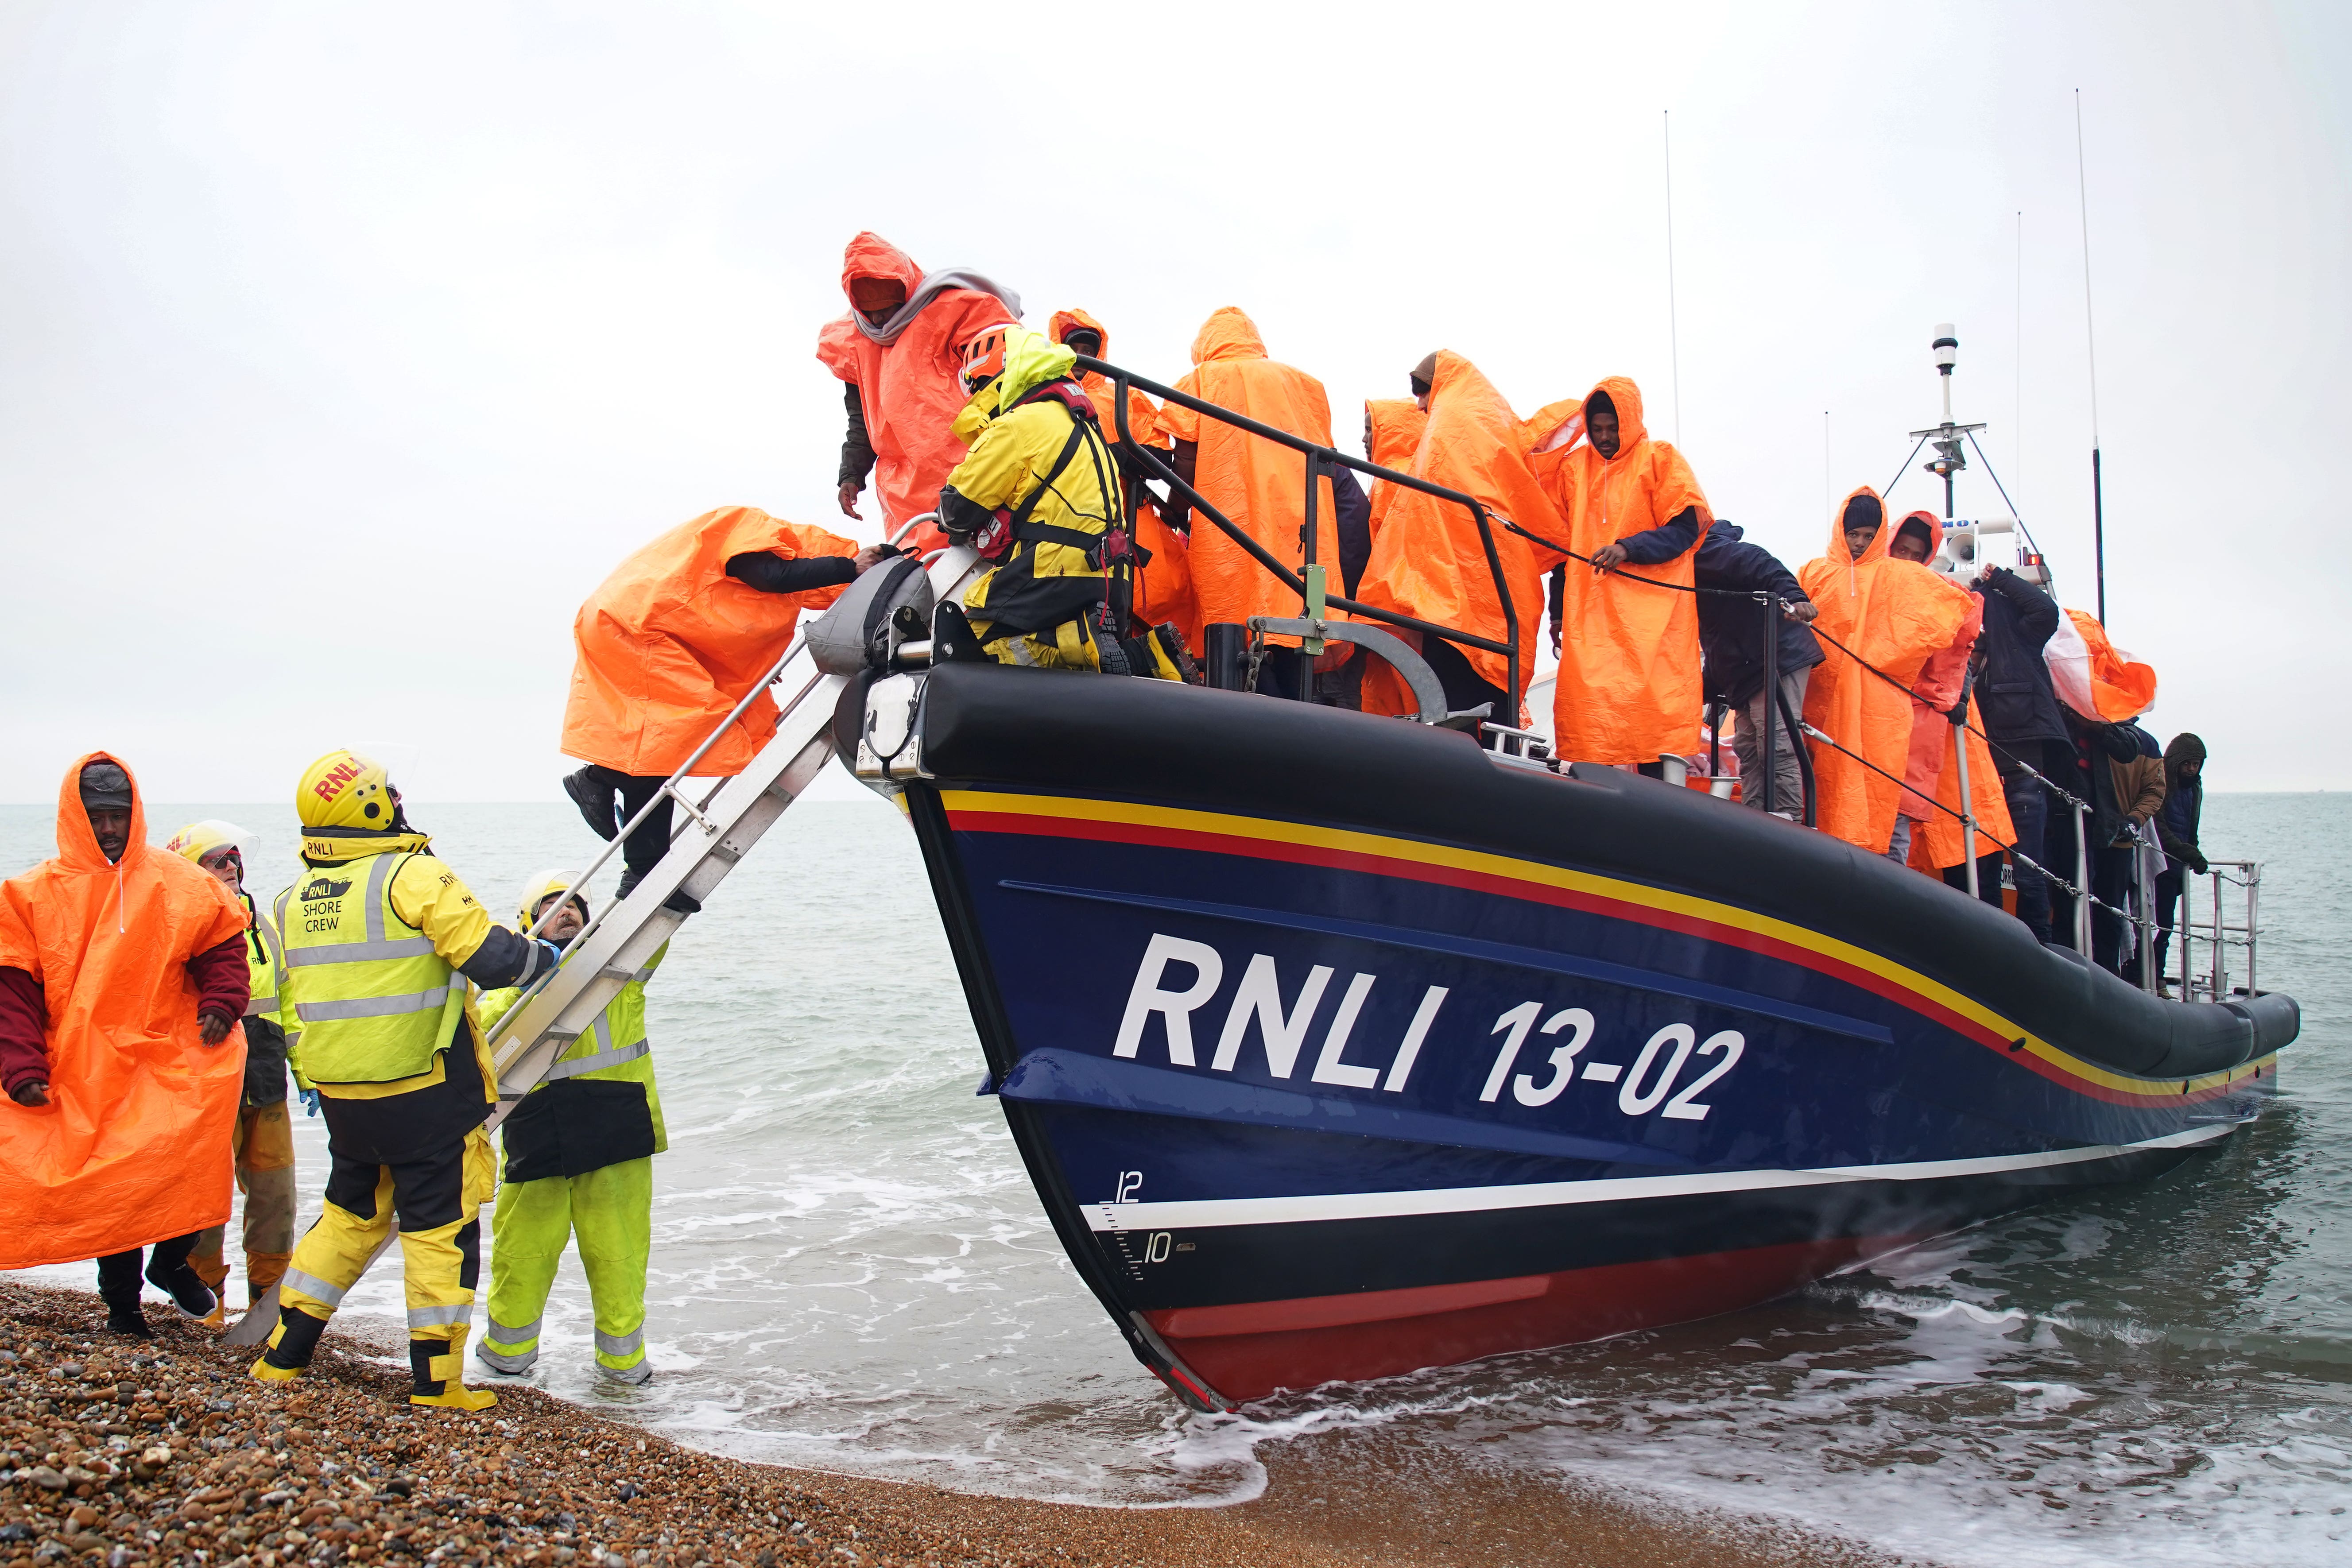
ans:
x=1428 y=559
x=1629 y=687
x=133 y=1146
x=1892 y=614
x=1392 y=427
x=668 y=644
x=1163 y=589
x=1261 y=488
x=1933 y=773
x=912 y=389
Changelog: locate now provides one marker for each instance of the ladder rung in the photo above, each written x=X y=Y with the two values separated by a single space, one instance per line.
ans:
x=615 y=972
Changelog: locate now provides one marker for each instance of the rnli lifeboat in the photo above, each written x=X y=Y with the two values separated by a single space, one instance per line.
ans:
x=1338 y=1046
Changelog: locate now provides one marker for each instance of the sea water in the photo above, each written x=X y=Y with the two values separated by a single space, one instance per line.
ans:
x=851 y=1271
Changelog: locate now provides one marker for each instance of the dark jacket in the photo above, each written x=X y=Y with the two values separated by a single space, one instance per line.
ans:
x=1355 y=528
x=2014 y=693
x=2105 y=759
x=1731 y=631
x=2184 y=804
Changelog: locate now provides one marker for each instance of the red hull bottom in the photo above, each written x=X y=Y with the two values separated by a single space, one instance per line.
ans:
x=1248 y=1351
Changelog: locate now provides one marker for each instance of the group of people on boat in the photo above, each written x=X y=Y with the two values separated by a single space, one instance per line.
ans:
x=152 y=1010
x=1118 y=530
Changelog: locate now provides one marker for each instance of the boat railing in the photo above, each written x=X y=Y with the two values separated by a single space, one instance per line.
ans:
x=2219 y=933
x=1311 y=582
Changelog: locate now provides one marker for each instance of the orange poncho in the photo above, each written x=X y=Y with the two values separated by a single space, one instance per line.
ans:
x=133 y=1146
x=912 y=389
x=1892 y=614
x=1933 y=773
x=669 y=643
x=1261 y=488
x=1629 y=687
x=1428 y=561
x=1392 y=428
x=1164 y=589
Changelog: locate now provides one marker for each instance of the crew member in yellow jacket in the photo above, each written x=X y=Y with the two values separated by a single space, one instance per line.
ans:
x=1039 y=498
x=381 y=939
x=579 y=1151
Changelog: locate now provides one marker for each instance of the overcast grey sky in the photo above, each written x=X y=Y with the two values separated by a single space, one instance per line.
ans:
x=345 y=349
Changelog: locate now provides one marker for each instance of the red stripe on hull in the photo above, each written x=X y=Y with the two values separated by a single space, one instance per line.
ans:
x=1535 y=892
x=1571 y=1307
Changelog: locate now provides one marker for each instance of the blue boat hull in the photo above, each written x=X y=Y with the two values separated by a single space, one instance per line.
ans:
x=1313 y=1098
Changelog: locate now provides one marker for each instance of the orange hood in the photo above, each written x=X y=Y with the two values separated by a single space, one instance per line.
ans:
x=871 y=256
x=1630 y=431
x=1065 y=322
x=1227 y=334
x=1877 y=552
x=1935 y=530
x=1396 y=424
x=76 y=844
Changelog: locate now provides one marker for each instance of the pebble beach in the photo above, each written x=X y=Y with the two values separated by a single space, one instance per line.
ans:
x=119 y=1452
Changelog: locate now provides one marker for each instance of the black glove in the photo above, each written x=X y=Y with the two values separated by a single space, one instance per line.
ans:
x=961 y=517
x=2196 y=863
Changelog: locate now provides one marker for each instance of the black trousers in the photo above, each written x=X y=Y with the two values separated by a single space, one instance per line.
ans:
x=2111 y=939
x=2170 y=884
x=119 y=1274
x=644 y=849
x=1463 y=690
x=1988 y=879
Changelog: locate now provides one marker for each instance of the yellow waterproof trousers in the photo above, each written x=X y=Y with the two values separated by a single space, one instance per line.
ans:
x=438 y=1199
x=610 y=1211
x=263 y=1148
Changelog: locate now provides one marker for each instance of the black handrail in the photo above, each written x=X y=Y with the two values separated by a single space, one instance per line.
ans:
x=1316 y=456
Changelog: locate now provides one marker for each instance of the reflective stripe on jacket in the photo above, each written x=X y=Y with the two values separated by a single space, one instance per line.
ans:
x=614 y=1048
x=265 y=962
x=372 y=1000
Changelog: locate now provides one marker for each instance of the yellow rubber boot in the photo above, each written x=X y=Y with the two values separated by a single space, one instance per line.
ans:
x=439 y=1367
x=291 y=1344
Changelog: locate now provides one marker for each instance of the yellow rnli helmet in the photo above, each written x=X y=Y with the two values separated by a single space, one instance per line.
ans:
x=543 y=885
x=210 y=836
x=343 y=789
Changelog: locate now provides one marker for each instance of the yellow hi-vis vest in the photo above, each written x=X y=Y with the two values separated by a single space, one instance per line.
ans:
x=372 y=1000
x=265 y=964
x=614 y=1048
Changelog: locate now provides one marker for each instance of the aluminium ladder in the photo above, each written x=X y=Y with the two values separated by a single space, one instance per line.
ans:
x=714 y=835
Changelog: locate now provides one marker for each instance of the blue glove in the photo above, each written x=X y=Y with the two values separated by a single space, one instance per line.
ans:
x=310 y=1102
x=550 y=951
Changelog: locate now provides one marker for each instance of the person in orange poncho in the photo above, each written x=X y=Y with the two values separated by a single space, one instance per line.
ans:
x=1429 y=561
x=669 y=643
x=122 y=976
x=1629 y=690
x=899 y=349
x=1927 y=828
x=1892 y=614
x=1163 y=585
x=1392 y=427
x=1259 y=486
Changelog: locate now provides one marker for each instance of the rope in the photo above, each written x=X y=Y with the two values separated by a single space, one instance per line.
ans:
x=2010 y=850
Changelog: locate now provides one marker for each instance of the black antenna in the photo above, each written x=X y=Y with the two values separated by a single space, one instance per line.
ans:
x=2090 y=337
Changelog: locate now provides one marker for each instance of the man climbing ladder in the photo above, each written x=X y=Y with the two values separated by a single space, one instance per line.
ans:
x=580 y=1165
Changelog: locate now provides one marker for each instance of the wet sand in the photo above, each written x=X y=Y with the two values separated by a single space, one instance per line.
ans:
x=119 y=1452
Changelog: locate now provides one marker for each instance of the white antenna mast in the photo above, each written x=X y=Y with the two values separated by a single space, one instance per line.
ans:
x=1673 y=326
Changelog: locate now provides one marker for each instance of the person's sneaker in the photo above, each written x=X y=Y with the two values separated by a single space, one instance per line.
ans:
x=595 y=799
x=125 y=1318
x=186 y=1287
